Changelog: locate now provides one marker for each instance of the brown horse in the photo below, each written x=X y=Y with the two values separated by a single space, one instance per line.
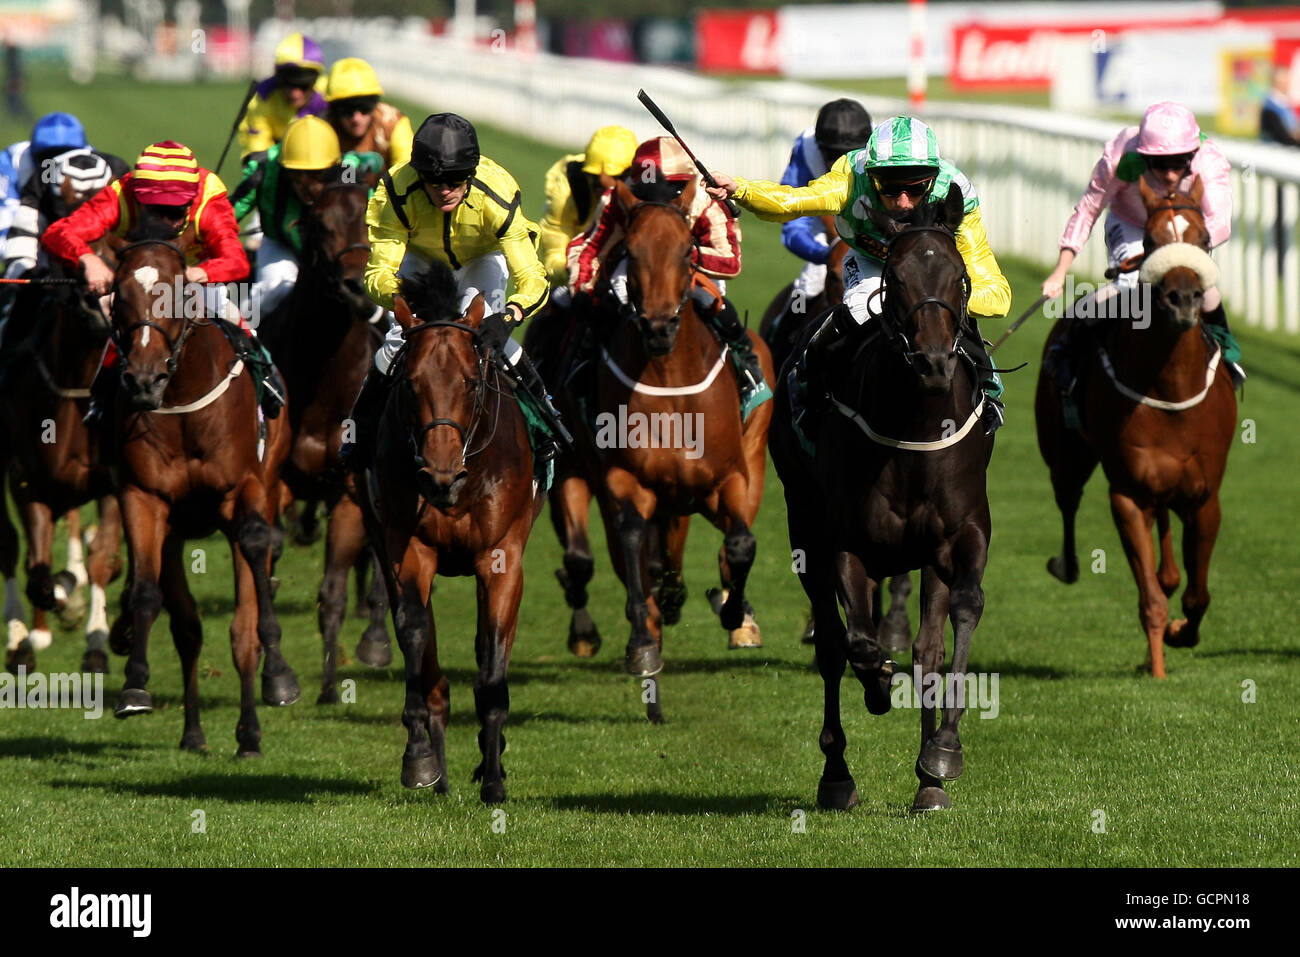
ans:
x=1159 y=414
x=53 y=464
x=323 y=348
x=669 y=437
x=188 y=451
x=889 y=489
x=783 y=327
x=455 y=495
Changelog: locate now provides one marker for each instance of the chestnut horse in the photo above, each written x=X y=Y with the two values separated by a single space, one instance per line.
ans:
x=53 y=464
x=453 y=480
x=323 y=348
x=782 y=328
x=891 y=488
x=188 y=444
x=1159 y=413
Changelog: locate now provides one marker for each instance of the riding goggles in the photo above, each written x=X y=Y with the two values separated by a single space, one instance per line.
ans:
x=892 y=190
x=1181 y=163
x=359 y=104
x=450 y=178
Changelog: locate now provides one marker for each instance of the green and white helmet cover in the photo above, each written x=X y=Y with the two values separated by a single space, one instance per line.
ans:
x=902 y=141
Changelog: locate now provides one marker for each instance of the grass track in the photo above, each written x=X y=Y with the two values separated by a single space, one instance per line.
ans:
x=1185 y=772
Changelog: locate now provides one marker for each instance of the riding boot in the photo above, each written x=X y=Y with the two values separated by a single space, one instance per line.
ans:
x=103 y=389
x=273 y=390
x=753 y=388
x=533 y=389
x=990 y=382
x=1216 y=320
x=358 y=450
x=809 y=388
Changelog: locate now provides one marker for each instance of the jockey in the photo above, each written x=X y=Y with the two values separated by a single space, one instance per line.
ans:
x=453 y=205
x=363 y=122
x=660 y=171
x=53 y=135
x=573 y=189
x=297 y=88
x=842 y=125
x=15 y=167
x=167 y=186
x=279 y=185
x=898 y=170
x=1169 y=149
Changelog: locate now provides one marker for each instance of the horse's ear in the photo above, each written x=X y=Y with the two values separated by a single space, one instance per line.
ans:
x=954 y=207
x=1197 y=190
x=687 y=196
x=884 y=222
x=1149 y=197
x=405 y=318
x=626 y=198
x=474 y=314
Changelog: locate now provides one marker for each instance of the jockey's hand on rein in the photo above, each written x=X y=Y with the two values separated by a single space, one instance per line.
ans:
x=495 y=330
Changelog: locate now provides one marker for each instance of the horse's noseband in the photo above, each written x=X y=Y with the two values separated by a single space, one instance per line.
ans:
x=416 y=438
x=123 y=340
x=893 y=326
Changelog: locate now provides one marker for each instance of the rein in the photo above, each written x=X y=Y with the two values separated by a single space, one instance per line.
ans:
x=632 y=215
x=121 y=340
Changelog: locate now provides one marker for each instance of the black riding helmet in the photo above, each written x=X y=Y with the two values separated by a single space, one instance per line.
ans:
x=842 y=125
x=445 y=148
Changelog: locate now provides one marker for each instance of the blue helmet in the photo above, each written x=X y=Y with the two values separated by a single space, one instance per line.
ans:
x=57 y=131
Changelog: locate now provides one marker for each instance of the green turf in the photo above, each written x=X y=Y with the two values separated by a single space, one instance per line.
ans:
x=1184 y=771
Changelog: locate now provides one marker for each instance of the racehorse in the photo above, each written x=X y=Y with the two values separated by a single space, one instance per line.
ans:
x=54 y=468
x=1159 y=413
x=784 y=323
x=892 y=488
x=187 y=428
x=323 y=348
x=454 y=495
x=665 y=375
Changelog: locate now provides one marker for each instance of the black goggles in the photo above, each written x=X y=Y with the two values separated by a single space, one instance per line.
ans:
x=450 y=178
x=916 y=190
x=1171 y=164
x=360 y=104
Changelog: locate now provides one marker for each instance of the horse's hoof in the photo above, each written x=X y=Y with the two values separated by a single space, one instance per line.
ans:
x=133 y=701
x=931 y=799
x=72 y=610
x=717 y=598
x=809 y=633
x=194 y=741
x=41 y=638
x=21 y=657
x=940 y=762
x=895 y=635
x=1179 y=635
x=1061 y=570
x=94 y=662
x=837 y=795
x=420 y=772
x=328 y=696
x=746 y=636
x=248 y=751
x=375 y=652
x=584 y=639
x=643 y=660
x=876 y=687
x=280 y=690
x=492 y=793
x=119 y=636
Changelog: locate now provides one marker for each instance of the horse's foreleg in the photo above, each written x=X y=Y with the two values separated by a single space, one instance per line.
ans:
x=39 y=522
x=1134 y=524
x=187 y=635
x=1167 y=573
x=871 y=663
x=632 y=508
x=672 y=586
x=427 y=706
x=104 y=565
x=1071 y=462
x=734 y=563
x=70 y=583
x=499 y=592
x=927 y=675
x=253 y=533
x=245 y=649
x=145 y=518
x=570 y=512
x=18 y=649
x=1200 y=530
x=343 y=540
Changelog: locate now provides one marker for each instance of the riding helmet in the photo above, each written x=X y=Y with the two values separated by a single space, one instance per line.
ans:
x=56 y=132
x=842 y=125
x=446 y=147
x=902 y=141
x=310 y=143
x=610 y=151
x=351 y=78
x=1168 y=129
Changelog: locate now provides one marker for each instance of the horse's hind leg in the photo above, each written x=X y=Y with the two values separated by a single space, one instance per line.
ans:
x=187 y=635
x=895 y=630
x=498 y=616
x=104 y=566
x=1200 y=530
x=1134 y=524
x=871 y=663
x=570 y=511
x=344 y=538
x=927 y=667
x=18 y=649
x=70 y=583
x=735 y=560
x=253 y=534
x=374 y=649
x=1071 y=462
x=245 y=650
x=1167 y=573
x=39 y=522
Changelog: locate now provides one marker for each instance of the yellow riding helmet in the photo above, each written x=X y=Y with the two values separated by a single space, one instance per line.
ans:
x=352 y=77
x=301 y=51
x=310 y=143
x=610 y=151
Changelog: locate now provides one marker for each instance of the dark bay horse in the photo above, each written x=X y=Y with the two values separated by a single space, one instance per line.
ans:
x=54 y=467
x=1159 y=413
x=453 y=477
x=188 y=444
x=784 y=324
x=891 y=488
x=323 y=347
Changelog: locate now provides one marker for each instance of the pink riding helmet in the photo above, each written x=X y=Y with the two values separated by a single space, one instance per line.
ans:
x=1168 y=129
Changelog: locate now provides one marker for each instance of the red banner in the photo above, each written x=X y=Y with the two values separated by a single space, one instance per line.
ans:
x=733 y=41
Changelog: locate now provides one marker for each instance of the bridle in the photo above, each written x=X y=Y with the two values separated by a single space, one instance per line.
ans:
x=485 y=357
x=892 y=325
x=122 y=339
x=313 y=232
x=632 y=215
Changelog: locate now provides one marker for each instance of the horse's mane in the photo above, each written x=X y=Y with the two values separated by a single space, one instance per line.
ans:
x=927 y=214
x=152 y=228
x=432 y=294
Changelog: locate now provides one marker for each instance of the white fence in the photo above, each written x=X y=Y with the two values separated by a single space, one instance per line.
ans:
x=1029 y=166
